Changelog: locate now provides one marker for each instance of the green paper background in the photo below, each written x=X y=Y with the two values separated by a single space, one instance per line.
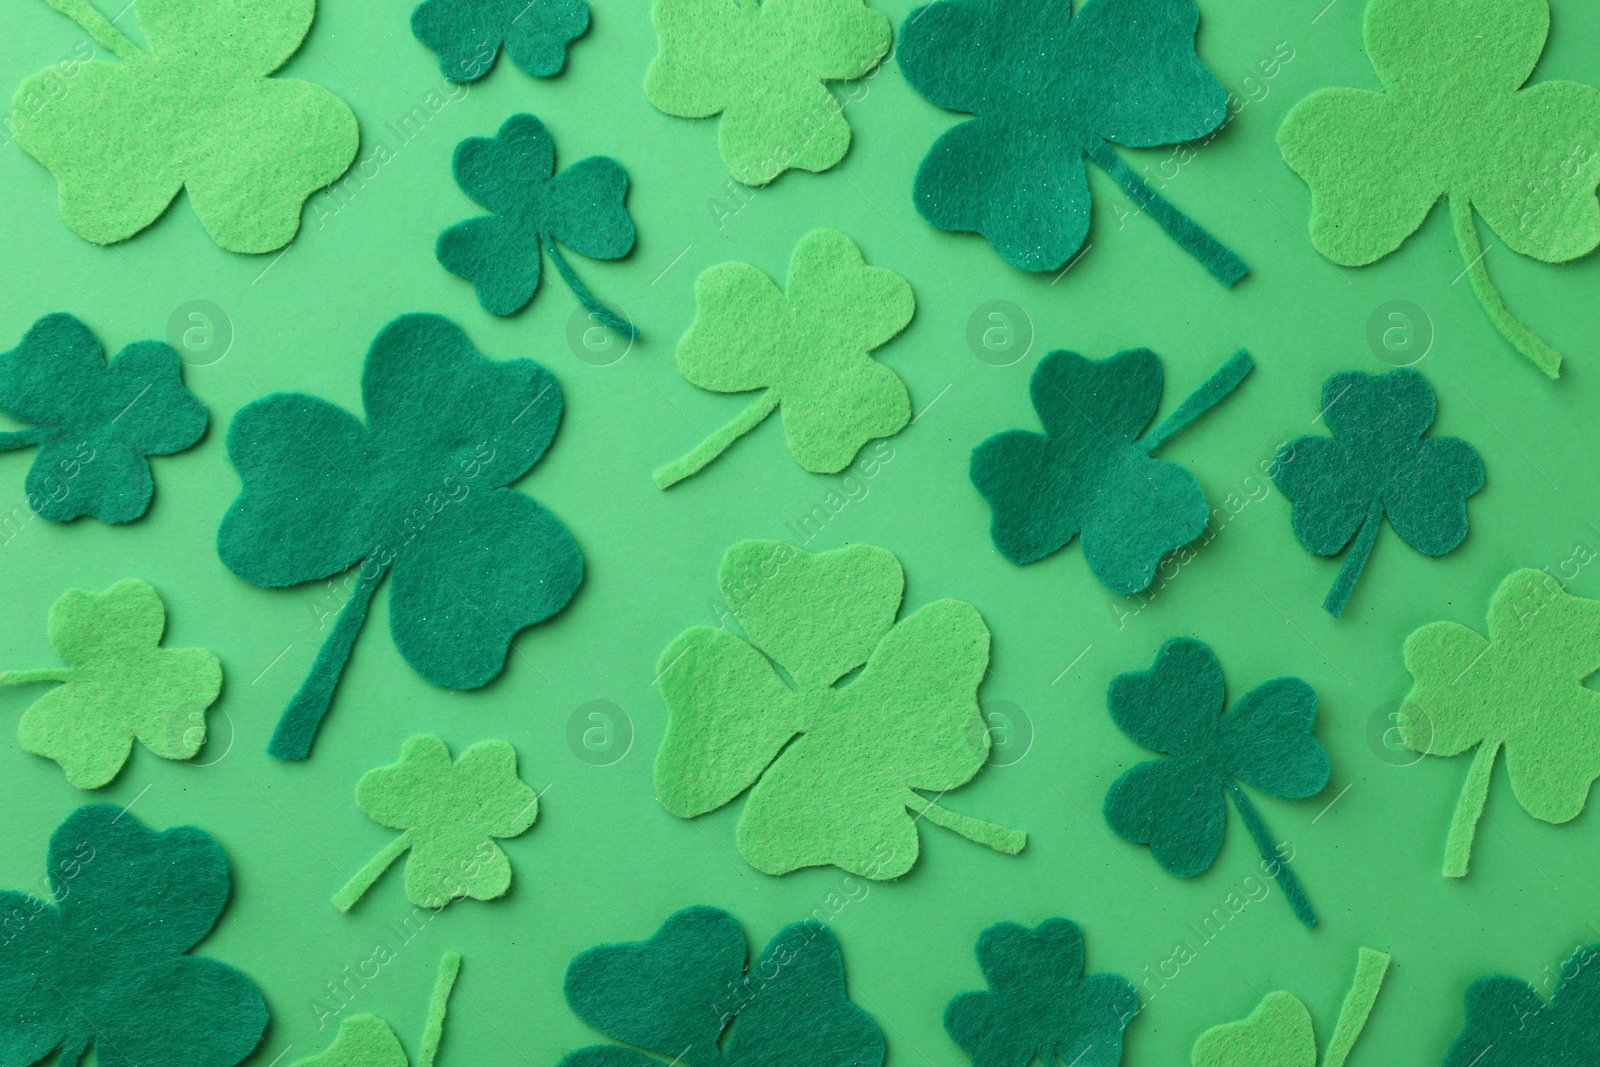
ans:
x=605 y=861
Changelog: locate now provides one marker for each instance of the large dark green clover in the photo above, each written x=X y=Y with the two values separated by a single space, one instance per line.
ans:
x=1175 y=805
x=1510 y=1025
x=468 y=34
x=422 y=490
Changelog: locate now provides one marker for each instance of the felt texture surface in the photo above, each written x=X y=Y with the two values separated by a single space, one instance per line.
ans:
x=198 y=111
x=422 y=491
x=1378 y=464
x=764 y=65
x=679 y=992
x=1091 y=473
x=368 y=1041
x=107 y=962
x=468 y=34
x=835 y=769
x=534 y=210
x=807 y=346
x=1521 y=689
x=119 y=685
x=1050 y=88
x=1175 y=805
x=94 y=420
x=1452 y=122
x=1039 y=1005
x=1508 y=1024
x=451 y=813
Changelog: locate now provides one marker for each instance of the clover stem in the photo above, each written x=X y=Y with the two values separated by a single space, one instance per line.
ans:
x=999 y=838
x=1345 y=582
x=1211 y=391
x=717 y=442
x=449 y=967
x=41 y=674
x=19 y=439
x=1524 y=340
x=100 y=28
x=1469 y=808
x=1271 y=856
x=358 y=885
x=1370 y=969
x=616 y=322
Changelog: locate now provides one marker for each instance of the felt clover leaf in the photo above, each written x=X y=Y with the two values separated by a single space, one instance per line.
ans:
x=468 y=34
x=1175 y=805
x=1039 y=1005
x=677 y=993
x=1048 y=88
x=119 y=685
x=196 y=111
x=1521 y=688
x=1090 y=474
x=451 y=813
x=1453 y=123
x=94 y=421
x=1279 y=1032
x=368 y=1041
x=106 y=961
x=1377 y=464
x=807 y=346
x=422 y=489
x=533 y=212
x=1509 y=1025
x=839 y=766
x=764 y=66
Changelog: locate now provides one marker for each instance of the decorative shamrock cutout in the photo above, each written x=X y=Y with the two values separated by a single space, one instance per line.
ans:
x=119 y=685
x=1521 y=688
x=368 y=1041
x=422 y=488
x=1452 y=123
x=451 y=813
x=1039 y=1005
x=678 y=992
x=468 y=34
x=1175 y=805
x=94 y=421
x=501 y=254
x=197 y=111
x=1279 y=1032
x=1377 y=464
x=1091 y=474
x=764 y=66
x=106 y=962
x=839 y=766
x=808 y=346
x=1048 y=88
x=1510 y=1025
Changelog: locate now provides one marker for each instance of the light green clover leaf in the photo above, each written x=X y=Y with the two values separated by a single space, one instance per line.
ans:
x=1279 y=1032
x=368 y=1041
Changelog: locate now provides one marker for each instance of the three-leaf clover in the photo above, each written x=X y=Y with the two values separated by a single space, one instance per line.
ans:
x=1175 y=805
x=368 y=1041
x=197 y=111
x=106 y=961
x=1453 y=123
x=120 y=684
x=94 y=420
x=423 y=489
x=1279 y=1032
x=534 y=211
x=764 y=66
x=1039 y=1004
x=468 y=34
x=450 y=814
x=1048 y=88
x=836 y=768
x=1521 y=688
x=1091 y=474
x=1509 y=1025
x=808 y=346
x=1377 y=464
x=678 y=992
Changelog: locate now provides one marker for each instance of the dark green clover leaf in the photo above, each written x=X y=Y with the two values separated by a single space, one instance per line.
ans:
x=1176 y=805
x=95 y=421
x=1377 y=463
x=468 y=34
x=1510 y=1025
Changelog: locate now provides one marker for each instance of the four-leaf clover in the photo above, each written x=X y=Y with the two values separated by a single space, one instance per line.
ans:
x=1508 y=1024
x=468 y=34
x=1279 y=1032
x=368 y=1041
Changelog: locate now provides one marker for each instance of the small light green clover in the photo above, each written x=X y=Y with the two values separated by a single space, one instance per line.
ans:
x=368 y=1041
x=1279 y=1032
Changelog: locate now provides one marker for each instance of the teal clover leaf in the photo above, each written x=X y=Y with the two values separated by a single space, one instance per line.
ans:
x=468 y=34
x=1509 y=1025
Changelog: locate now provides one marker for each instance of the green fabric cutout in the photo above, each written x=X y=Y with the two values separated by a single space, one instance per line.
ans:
x=1521 y=688
x=118 y=685
x=1090 y=474
x=807 y=346
x=764 y=66
x=451 y=813
x=468 y=34
x=422 y=489
x=1509 y=1025
x=1039 y=1005
x=1175 y=805
x=106 y=961
x=501 y=253
x=1377 y=464
x=1279 y=1032
x=197 y=111
x=1048 y=88
x=839 y=766
x=678 y=992
x=94 y=421
x=1452 y=123
x=368 y=1041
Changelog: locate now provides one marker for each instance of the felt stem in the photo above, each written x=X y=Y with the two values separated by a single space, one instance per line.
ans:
x=1224 y=381
x=1213 y=255
x=449 y=967
x=1469 y=808
x=357 y=886
x=616 y=322
x=999 y=838
x=1370 y=969
x=1333 y=603
x=1524 y=340
x=100 y=29
x=718 y=442
x=1269 y=852
x=18 y=439
x=41 y=674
